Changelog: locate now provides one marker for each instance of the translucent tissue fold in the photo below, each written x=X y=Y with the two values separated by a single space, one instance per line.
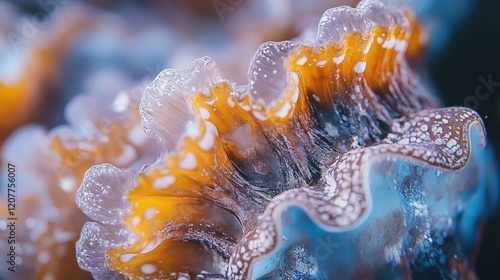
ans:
x=333 y=160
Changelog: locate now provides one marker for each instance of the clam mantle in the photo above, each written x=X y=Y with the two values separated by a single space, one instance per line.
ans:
x=332 y=160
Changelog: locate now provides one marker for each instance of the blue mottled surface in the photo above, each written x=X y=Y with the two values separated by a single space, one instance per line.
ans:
x=417 y=212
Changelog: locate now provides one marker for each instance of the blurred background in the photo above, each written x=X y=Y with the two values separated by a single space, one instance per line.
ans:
x=54 y=50
x=51 y=50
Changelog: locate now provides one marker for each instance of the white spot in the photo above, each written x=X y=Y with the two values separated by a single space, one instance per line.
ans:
x=419 y=209
x=355 y=143
x=357 y=88
x=400 y=45
x=151 y=245
x=368 y=46
x=404 y=141
x=208 y=141
x=148 y=269
x=316 y=97
x=389 y=44
x=43 y=257
x=331 y=186
x=62 y=236
x=150 y=213
x=137 y=136
x=163 y=182
x=451 y=143
x=127 y=156
x=340 y=202
x=192 y=130
x=135 y=221
x=230 y=101
x=204 y=113
x=121 y=101
x=331 y=130
x=295 y=78
x=189 y=162
x=127 y=257
x=68 y=184
x=360 y=67
x=301 y=61
x=339 y=59
x=321 y=63
x=259 y=116
x=392 y=253
x=245 y=107
x=295 y=95
x=380 y=40
x=283 y=111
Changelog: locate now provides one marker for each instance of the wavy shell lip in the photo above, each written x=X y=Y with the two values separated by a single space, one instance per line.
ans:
x=338 y=21
x=330 y=212
x=264 y=73
x=307 y=130
x=161 y=100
